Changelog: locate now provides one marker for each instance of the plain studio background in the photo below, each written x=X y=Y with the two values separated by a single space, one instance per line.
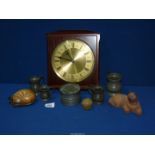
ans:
x=126 y=46
x=94 y=9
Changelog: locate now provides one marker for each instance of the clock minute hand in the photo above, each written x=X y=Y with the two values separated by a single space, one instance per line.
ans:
x=69 y=53
x=65 y=58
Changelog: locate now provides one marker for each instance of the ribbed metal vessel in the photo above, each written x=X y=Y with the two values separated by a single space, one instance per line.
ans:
x=70 y=94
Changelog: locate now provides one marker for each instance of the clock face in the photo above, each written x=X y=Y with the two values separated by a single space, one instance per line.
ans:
x=72 y=60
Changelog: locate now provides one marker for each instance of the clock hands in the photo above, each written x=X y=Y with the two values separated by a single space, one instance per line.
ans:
x=67 y=56
x=69 y=53
x=68 y=59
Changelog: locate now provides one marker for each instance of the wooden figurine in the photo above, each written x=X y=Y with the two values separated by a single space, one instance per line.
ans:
x=128 y=102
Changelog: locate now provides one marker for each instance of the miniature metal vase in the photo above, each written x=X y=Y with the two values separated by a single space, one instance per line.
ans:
x=97 y=93
x=45 y=92
x=114 y=83
x=35 y=82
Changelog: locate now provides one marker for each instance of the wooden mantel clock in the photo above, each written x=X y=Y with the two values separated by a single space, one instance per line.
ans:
x=73 y=57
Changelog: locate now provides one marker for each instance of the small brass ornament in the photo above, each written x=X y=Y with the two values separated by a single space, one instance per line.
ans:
x=87 y=103
x=22 y=97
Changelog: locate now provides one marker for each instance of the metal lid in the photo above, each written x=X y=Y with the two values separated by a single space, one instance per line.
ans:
x=70 y=88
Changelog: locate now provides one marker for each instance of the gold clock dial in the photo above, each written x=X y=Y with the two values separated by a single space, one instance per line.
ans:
x=73 y=60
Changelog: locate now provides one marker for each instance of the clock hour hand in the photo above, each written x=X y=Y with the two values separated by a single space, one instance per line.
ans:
x=69 y=53
x=65 y=58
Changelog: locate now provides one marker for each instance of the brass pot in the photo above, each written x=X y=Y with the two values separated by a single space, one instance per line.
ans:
x=70 y=94
x=97 y=93
x=45 y=92
x=35 y=83
x=114 y=83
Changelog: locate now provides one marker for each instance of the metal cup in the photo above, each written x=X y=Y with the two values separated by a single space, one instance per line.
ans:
x=45 y=92
x=35 y=82
x=97 y=93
